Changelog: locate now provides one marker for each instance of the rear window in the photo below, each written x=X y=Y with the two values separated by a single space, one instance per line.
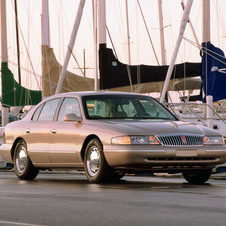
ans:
x=37 y=113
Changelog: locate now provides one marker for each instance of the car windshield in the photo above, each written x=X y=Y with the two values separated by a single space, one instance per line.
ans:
x=125 y=107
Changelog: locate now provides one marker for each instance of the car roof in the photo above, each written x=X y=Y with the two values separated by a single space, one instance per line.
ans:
x=90 y=93
x=79 y=95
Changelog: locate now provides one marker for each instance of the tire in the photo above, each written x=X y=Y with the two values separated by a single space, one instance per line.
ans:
x=23 y=166
x=96 y=168
x=197 y=177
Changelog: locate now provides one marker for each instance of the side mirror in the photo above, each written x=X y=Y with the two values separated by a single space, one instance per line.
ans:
x=72 y=117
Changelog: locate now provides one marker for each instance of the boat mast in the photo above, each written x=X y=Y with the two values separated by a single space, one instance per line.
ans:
x=184 y=20
x=99 y=28
x=3 y=30
x=96 y=8
x=128 y=33
x=206 y=21
x=45 y=23
x=128 y=46
x=102 y=22
x=45 y=41
x=162 y=40
x=205 y=39
x=17 y=41
x=71 y=44
x=102 y=27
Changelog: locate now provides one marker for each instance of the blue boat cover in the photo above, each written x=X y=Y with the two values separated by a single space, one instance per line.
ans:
x=213 y=72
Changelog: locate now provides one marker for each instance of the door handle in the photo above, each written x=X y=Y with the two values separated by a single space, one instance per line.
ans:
x=53 y=131
x=28 y=131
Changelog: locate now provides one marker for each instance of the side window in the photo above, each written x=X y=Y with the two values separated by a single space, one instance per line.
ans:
x=48 y=110
x=37 y=112
x=69 y=106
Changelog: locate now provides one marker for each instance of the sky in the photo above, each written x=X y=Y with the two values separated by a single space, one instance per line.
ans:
x=62 y=16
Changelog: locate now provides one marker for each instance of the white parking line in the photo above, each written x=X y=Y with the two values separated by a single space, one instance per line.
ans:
x=17 y=223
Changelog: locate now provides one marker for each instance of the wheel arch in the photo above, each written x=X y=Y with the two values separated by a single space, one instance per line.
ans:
x=14 y=146
x=87 y=140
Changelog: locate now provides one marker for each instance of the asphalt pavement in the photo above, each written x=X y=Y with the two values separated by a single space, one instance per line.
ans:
x=67 y=198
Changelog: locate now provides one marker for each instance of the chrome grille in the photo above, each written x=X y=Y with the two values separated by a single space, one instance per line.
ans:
x=181 y=140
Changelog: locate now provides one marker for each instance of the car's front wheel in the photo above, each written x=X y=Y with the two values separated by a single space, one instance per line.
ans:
x=23 y=166
x=197 y=177
x=96 y=168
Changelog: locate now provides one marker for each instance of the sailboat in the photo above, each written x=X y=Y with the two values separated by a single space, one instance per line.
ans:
x=117 y=77
x=114 y=75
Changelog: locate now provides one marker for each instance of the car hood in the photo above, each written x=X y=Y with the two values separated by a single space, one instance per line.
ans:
x=145 y=127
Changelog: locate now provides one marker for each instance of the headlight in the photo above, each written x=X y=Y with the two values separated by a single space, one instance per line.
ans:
x=213 y=140
x=135 y=140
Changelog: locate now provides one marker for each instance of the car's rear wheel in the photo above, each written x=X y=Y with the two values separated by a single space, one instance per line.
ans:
x=96 y=168
x=23 y=166
x=197 y=177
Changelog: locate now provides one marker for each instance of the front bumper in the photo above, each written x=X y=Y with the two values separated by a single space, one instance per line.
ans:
x=164 y=158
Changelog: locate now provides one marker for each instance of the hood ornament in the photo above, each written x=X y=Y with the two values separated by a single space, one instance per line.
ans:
x=184 y=139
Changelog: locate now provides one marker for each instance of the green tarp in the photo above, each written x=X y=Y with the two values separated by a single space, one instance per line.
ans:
x=13 y=94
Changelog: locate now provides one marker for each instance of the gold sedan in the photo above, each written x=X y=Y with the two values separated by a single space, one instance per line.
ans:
x=109 y=134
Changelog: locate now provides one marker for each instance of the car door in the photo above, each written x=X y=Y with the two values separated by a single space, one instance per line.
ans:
x=39 y=130
x=65 y=139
